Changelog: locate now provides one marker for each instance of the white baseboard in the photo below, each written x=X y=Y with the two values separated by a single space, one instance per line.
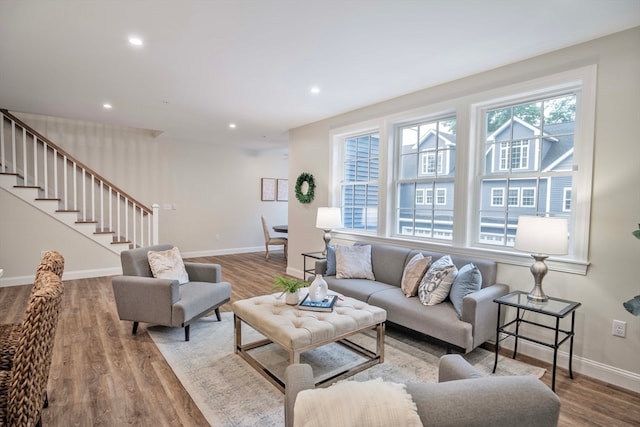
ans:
x=609 y=374
x=67 y=275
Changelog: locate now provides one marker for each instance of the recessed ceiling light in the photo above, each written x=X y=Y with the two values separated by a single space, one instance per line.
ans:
x=136 y=41
x=107 y=106
x=232 y=125
x=315 y=90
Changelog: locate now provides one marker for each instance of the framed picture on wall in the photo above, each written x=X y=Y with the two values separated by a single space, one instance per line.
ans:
x=268 y=192
x=283 y=190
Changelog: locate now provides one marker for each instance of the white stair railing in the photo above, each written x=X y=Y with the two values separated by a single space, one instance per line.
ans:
x=42 y=164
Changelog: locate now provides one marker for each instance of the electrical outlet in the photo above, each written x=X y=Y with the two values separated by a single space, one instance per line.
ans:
x=619 y=328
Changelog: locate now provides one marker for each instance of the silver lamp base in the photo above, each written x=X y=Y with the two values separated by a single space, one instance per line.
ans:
x=539 y=270
x=327 y=239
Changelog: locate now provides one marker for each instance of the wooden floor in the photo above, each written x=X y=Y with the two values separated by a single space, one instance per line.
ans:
x=101 y=375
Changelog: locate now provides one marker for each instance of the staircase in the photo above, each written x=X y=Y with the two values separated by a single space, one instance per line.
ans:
x=42 y=174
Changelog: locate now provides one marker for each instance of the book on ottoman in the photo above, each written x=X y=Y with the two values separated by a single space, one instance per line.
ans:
x=325 y=305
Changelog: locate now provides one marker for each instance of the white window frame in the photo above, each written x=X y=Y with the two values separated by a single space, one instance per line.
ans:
x=428 y=199
x=495 y=190
x=566 y=199
x=420 y=199
x=515 y=197
x=440 y=193
x=426 y=157
x=522 y=197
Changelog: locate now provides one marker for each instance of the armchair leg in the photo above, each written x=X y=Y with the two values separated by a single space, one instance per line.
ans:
x=135 y=328
x=186 y=333
x=217 y=310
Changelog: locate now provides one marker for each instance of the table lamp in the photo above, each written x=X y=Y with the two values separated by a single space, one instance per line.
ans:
x=326 y=219
x=541 y=236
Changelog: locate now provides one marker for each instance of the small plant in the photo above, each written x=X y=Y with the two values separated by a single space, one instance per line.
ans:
x=288 y=284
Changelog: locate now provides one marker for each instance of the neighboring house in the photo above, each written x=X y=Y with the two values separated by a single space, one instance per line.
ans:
x=527 y=172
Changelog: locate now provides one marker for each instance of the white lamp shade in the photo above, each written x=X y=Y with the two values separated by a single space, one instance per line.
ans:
x=542 y=235
x=328 y=218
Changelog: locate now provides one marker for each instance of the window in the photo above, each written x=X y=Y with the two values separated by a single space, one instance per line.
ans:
x=566 y=206
x=425 y=165
x=497 y=197
x=528 y=197
x=533 y=143
x=360 y=182
x=522 y=149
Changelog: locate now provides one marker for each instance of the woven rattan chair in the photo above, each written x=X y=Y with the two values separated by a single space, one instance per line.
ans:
x=22 y=389
x=10 y=333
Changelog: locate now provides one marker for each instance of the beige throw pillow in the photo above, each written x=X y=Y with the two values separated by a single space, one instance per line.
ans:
x=373 y=403
x=168 y=265
x=413 y=273
x=354 y=262
x=436 y=283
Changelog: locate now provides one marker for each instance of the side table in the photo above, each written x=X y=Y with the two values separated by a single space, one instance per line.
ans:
x=555 y=307
x=314 y=256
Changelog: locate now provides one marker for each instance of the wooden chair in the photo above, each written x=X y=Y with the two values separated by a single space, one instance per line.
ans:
x=268 y=240
x=23 y=387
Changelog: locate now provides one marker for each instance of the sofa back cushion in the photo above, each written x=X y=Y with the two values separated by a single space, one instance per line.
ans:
x=388 y=262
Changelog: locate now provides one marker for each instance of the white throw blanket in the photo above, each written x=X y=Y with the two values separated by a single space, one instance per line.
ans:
x=372 y=403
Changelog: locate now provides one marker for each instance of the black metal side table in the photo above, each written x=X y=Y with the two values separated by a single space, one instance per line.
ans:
x=314 y=256
x=555 y=307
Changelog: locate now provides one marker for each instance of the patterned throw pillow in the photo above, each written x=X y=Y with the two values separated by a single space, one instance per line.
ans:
x=168 y=265
x=354 y=262
x=413 y=273
x=436 y=283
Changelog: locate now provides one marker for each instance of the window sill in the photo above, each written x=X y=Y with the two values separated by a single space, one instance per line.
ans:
x=500 y=256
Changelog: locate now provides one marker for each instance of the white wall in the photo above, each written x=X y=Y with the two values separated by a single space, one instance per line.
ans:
x=614 y=273
x=216 y=191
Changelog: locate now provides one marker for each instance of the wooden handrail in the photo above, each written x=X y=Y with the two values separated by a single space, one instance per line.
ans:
x=123 y=194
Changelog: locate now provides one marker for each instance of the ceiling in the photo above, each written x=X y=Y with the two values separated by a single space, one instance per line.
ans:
x=206 y=64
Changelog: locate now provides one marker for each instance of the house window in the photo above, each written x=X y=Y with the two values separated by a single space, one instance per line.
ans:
x=533 y=144
x=528 y=199
x=497 y=197
x=425 y=159
x=566 y=205
x=360 y=182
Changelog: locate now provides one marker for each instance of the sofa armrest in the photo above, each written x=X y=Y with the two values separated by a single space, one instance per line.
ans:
x=201 y=272
x=297 y=377
x=321 y=267
x=481 y=312
x=455 y=367
x=145 y=299
x=486 y=402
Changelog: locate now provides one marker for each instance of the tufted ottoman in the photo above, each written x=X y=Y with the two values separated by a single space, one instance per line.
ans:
x=298 y=331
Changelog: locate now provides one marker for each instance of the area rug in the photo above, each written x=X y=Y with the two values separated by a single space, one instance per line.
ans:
x=231 y=393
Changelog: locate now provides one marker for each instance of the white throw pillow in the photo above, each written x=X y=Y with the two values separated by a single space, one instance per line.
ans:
x=372 y=403
x=413 y=273
x=354 y=262
x=168 y=265
x=436 y=283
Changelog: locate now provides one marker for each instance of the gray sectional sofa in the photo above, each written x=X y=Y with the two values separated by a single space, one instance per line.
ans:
x=477 y=323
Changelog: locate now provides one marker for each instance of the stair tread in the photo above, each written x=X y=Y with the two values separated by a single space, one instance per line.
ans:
x=48 y=198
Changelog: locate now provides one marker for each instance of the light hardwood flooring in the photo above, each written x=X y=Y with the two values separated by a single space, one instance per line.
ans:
x=101 y=375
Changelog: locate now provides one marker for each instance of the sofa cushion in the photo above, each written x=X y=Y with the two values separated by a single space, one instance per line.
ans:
x=354 y=262
x=468 y=280
x=168 y=265
x=373 y=403
x=436 y=283
x=360 y=289
x=388 y=262
x=413 y=273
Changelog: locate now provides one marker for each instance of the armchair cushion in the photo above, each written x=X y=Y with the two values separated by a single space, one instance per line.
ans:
x=168 y=265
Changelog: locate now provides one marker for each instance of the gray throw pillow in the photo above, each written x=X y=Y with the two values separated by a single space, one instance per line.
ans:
x=331 y=261
x=468 y=280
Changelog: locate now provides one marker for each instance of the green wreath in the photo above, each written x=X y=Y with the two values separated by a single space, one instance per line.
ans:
x=308 y=196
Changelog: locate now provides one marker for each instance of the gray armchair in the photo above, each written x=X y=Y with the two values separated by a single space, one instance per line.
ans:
x=142 y=298
x=462 y=397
